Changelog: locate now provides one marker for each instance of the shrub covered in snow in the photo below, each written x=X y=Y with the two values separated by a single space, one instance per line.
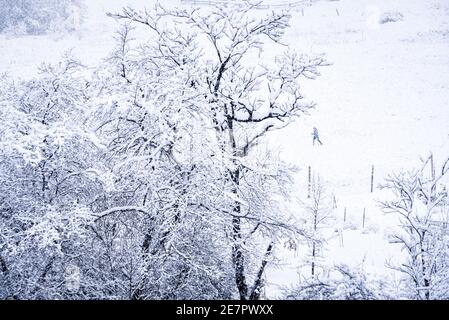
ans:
x=342 y=283
x=39 y=16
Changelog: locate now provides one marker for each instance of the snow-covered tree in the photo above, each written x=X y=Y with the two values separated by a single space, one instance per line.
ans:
x=213 y=105
x=318 y=221
x=47 y=179
x=149 y=176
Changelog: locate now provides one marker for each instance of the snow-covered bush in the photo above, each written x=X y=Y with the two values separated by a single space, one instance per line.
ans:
x=39 y=16
x=341 y=283
x=390 y=16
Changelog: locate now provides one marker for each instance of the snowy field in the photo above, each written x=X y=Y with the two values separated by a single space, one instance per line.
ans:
x=383 y=102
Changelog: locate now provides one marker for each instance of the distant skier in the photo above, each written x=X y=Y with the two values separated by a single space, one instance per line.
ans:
x=316 y=136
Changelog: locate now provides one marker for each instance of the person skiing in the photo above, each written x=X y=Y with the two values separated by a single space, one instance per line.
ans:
x=316 y=136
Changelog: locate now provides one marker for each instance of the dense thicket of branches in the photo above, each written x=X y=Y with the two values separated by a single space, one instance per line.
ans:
x=146 y=178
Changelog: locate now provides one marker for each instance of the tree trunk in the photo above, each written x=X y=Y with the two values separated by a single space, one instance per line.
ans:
x=258 y=284
x=238 y=259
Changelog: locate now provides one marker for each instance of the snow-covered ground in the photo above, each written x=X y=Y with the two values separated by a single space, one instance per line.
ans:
x=384 y=101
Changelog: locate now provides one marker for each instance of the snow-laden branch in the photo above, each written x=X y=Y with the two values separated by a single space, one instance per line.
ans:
x=115 y=210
